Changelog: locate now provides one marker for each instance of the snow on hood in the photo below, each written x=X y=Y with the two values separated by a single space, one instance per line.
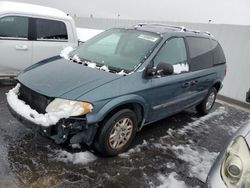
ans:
x=66 y=51
x=122 y=73
x=19 y=106
x=104 y=68
x=76 y=58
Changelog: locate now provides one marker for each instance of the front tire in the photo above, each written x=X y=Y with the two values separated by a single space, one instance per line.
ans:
x=117 y=133
x=207 y=104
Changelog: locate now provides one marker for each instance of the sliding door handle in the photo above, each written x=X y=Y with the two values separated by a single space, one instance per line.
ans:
x=186 y=84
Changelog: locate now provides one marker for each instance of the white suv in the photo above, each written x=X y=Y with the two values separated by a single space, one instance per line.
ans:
x=30 y=33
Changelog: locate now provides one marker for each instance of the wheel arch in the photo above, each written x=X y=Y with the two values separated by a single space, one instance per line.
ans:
x=134 y=102
x=217 y=85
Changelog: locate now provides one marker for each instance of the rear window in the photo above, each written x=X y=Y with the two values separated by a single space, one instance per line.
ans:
x=14 y=27
x=201 y=55
x=219 y=57
x=51 y=30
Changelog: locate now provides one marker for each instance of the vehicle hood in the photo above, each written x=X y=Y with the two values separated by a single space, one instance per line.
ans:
x=60 y=77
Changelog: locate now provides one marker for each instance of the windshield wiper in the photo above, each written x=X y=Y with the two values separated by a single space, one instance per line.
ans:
x=86 y=62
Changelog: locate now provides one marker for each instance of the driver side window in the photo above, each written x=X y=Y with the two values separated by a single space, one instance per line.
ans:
x=173 y=52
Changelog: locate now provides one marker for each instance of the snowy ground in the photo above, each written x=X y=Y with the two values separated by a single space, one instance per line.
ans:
x=175 y=152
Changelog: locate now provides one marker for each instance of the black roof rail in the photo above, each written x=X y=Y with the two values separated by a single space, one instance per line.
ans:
x=161 y=25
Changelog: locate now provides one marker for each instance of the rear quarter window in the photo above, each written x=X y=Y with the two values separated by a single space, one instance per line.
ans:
x=51 y=30
x=201 y=55
x=219 y=57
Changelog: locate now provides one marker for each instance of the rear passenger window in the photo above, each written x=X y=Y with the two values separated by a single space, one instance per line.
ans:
x=219 y=57
x=14 y=27
x=201 y=55
x=51 y=30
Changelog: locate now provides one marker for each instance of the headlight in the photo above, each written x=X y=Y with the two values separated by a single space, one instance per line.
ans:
x=235 y=169
x=68 y=107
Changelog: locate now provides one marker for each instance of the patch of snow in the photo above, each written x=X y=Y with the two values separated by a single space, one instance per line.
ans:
x=232 y=130
x=200 y=160
x=192 y=126
x=170 y=132
x=130 y=72
x=160 y=146
x=136 y=149
x=179 y=68
x=84 y=34
x=75 y=158
x=66 y=51
x=122 y=73
x=104 y=68
x=233 y=105
x=76 y=58
x=50 y=118
x=170 y=165
x=76 y=146
x=141 y=70
x=171 y=181
x=91 y=65
x=196 y=126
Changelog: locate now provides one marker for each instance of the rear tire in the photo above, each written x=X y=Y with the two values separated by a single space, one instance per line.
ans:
x=207 y=104
x=116 y=133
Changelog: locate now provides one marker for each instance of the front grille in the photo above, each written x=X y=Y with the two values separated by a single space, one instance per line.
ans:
x=35 y=100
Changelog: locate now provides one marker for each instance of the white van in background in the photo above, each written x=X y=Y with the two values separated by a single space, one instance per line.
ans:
x=30 y=33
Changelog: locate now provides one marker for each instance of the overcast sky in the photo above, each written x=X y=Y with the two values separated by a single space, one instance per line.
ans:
x=219 y=11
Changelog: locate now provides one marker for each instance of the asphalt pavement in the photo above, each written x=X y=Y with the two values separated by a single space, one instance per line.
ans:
x=180 y=149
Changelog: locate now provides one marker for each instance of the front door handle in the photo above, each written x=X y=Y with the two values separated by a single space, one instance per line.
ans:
x=194 y=82
x=21 y=47
x=186 y=84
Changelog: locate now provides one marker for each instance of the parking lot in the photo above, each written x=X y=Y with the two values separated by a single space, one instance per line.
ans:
x=178 y=150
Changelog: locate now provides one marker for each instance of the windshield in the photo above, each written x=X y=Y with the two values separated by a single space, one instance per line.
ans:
x=118 y=49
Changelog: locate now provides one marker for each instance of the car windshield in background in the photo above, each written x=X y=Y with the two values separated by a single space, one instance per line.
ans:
x=121 y=49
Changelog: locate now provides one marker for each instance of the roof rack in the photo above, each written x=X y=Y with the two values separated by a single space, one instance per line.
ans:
x=197 y=31
x=164 y=25
x=181 y=28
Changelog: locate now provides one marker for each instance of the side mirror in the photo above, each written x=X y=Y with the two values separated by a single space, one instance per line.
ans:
x=164 y=69
x=80 y=42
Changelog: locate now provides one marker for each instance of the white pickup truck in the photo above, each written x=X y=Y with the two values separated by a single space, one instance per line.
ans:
x=30 y=33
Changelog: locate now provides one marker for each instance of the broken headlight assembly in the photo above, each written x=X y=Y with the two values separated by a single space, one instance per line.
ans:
x=235 y=169
x=69 y=107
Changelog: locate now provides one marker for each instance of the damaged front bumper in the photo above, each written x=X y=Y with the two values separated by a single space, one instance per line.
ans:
x=74 y=130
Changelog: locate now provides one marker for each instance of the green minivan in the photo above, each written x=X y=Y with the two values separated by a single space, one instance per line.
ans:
x=111 y=86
